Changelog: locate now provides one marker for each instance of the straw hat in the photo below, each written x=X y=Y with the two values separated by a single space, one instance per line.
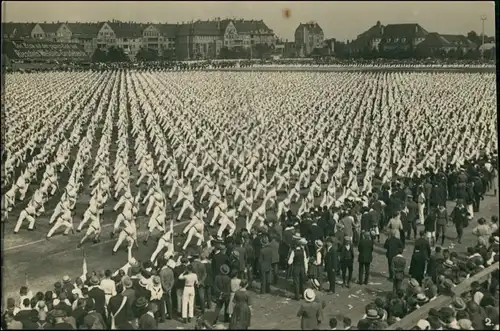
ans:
x=424 y=325
x=143 y=282
x=224 y=269
x=449 y=264
x=127 y=282
x=422 y=298
x=94 y=280
x=309 y=295
x=372 y=314
x=318 y=243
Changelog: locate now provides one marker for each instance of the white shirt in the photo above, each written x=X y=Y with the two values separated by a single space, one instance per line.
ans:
x=108 y=286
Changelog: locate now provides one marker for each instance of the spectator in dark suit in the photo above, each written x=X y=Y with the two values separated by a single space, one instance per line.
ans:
x=93 y=320
x=98 y=295
x=435 y=260
x=219 y=258
x=118 y=308
x=129 y=292
x=147 y=321
x=201 y=273
x=275 y=246
x=346 y=253
x=459 y=216
x=392 y=246
x=331 y=264
x=238 y=242
x=167 y=283
x=411 y=217
x=265 y=263
x=365 y=257
x=79 y=313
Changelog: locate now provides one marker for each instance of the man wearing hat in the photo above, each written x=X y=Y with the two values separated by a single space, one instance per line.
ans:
x=119 y=311
x=365 y=257
x=310 y=312
x=98 y=296
x=199 y=269
x=265 y=263
x=222 y=291
x=398 y=267
x=459 y=216
x=331 y=263
x=298 y=261
x=346 y=254
x=167 y=280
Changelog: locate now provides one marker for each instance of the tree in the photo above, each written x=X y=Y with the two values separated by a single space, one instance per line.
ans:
x=147 y=55
x=474 y=37
x=99 y=56
x=168 y=55
x=116 y=54
x=262 y=51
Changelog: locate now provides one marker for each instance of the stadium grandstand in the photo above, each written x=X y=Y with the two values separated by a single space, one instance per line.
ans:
x=38 y=53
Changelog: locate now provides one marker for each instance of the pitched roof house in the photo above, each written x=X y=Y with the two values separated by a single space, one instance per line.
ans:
x=127 y=30
x=84 y=30
x=17 y=30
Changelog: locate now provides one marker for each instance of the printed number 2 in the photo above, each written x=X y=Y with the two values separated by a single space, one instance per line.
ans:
x=487 y=322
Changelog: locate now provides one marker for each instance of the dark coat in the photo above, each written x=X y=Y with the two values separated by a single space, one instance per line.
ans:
x=275 y=246
x=422 y=247
x=365 y=249
x=88 y=321
x=242 y=315
x=266 y=258
x=412 y=211
x=130 y=294
x=99 y=299
x=459 y=216
x=125 y=313
x=147 y=322
x=392 y=245
x=243 y=257
x=311 y=315
x=218 y=260
x=315 y=233
x=346 y=255
x=366 y=221
x=331 y=259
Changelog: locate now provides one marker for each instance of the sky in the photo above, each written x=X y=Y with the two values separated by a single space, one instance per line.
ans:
x=340 y=20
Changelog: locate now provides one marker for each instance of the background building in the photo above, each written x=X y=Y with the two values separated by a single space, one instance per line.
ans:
x=308 y=36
